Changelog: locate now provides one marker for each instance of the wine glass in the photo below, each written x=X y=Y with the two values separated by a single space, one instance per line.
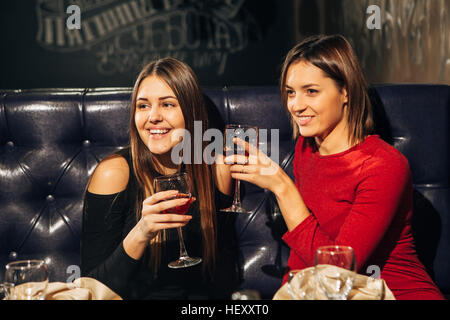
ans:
x=246 y=133
x=182 y=183
x=335 y=270
x=302 y=284
x=26 y=280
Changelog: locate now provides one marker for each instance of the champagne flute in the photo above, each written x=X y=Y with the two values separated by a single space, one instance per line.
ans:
x=335 y=268
x=246 y=133
x=26 y=280
x=182 y=183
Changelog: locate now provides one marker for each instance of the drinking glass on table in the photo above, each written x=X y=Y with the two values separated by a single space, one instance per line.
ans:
x=302 y=284
x=25 y=280
x=335 y=268
x=246 y=133
x=182 y=183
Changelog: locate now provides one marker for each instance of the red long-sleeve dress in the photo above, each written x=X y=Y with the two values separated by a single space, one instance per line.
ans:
x=362 y=198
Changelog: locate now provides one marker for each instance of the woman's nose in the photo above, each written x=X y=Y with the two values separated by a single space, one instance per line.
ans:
x=155 y=115
x=296 y=105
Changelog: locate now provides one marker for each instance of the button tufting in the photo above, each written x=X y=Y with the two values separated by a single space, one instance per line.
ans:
x=12 y=255
x=86 y=143
x=50 y=198
x=10 y=144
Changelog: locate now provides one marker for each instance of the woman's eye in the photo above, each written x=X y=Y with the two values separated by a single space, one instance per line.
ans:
x=311 y=91
x=168 y=105
x=142 y=106
x=290 y=92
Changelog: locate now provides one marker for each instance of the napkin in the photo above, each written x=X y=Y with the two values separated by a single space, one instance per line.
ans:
x=364 y=287
x=81 y=289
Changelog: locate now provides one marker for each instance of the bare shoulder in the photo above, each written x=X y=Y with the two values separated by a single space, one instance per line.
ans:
x=111 y=176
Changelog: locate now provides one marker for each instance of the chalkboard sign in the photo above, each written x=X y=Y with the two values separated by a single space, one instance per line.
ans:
x=92 y=43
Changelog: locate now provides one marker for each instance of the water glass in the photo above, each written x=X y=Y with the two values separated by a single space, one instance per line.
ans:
x=335 y=268
x=302 y=284
x=25 y=280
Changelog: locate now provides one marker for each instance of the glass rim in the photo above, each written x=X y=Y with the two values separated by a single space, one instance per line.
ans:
x=170 y=176
x=24 y=264
x=304 y=270
x=243 y=126
x=338 y=247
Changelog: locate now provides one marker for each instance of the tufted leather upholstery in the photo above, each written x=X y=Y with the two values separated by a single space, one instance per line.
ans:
x=52 y=139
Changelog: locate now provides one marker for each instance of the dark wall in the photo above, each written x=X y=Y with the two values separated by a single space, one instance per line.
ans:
x=233 y=42
x=411 y=43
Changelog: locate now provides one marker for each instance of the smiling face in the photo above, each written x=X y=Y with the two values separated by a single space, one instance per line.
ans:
x=316 y=103
x=158 y=114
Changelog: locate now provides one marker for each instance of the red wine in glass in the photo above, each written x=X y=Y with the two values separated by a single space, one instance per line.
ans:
x=182 y=183
x=232 y=151
x=183 y=209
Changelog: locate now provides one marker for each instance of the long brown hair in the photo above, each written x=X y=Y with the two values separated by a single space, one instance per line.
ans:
x=183 y=82
x=335 y=57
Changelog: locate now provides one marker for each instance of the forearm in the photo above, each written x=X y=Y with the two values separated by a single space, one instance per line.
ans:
x=135 y=243
x=115 y=271
x=290 y=202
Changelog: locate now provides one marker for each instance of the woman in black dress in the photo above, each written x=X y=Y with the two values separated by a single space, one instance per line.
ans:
x=127 y=240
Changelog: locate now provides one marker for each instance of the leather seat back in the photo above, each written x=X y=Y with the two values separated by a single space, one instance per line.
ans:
x=52 y=139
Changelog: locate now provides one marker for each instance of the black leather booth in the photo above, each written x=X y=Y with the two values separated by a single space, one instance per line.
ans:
x=52 y=139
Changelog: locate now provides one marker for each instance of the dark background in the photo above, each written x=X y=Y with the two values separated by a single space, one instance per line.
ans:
x=26 y=64
x=413 y=45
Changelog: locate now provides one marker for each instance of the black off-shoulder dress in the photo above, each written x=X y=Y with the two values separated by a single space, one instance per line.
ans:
x=107 y=220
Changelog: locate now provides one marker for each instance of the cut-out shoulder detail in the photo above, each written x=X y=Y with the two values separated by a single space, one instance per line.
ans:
x=111 y=176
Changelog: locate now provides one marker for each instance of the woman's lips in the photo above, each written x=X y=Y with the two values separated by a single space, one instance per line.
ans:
x=158 y=133
x=305 y=120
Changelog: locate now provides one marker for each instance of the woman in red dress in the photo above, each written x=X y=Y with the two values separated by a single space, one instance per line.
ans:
x=351 y=188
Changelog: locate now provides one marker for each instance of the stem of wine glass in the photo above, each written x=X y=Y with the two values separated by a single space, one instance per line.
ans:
x=237 y=193
x=183 y=251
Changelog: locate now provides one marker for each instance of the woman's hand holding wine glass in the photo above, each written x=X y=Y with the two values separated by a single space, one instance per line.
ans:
x=233 y=152
x=157 y=214
x=255 y=167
